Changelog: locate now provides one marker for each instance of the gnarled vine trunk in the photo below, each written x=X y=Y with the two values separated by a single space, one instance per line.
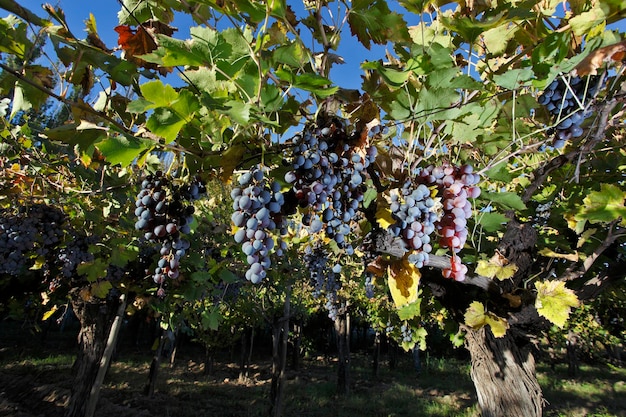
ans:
x=95 y=318
x=504 y=375
x=342 y=329
x=280 y=338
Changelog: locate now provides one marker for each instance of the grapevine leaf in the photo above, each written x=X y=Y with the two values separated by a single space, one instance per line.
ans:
x=554 y=301
x=597 y=58
x=491 y=270
x=93 y=270
x=549 y=253
x=514 y=79
x=101 y=289
x=500 y=173
x=403 y=279
x=475 y=315
x=410 y=311
x=497 y=324
x=49 y=313
x=603 y=206
x=507 y=200
x=211 y=319
x=39 y=263
x=496 y=39
x=492 y=222
x=230 y=159
x=384 y=217
x=123 y=149
x=369 y=196
x=373 y=21
x=588 y=20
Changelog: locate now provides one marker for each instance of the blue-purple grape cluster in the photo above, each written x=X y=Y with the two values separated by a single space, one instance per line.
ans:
x=75 y=252
x=568 y=100
x=257 y=204
x=328 y=177
x=324 y=279
x=415 y=211
x=34 y=231
x=164 y=213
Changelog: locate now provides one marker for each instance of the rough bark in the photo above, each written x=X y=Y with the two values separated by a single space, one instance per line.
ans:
x=280 y=338
x=106 y=357
x=95 y=316
x=154 y=367
x=376 y=362
x=504 y=375
x=246 y=353
x=342 y=329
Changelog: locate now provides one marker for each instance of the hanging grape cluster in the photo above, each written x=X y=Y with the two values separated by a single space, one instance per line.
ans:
x=34 y=231
x=325 y=279
x=164 y=212
x=455 y=185
x=435 y=200
x=257 y=204
x=568 y=100
x=328 y=177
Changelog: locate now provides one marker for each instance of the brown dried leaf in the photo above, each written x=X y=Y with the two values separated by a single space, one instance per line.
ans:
x=595 y=60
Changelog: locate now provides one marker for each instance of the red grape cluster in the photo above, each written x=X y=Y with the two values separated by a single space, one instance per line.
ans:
x=164 y=212
x=456 y=185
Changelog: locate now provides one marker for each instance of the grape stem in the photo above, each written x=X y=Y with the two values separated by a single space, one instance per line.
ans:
x=443 y=262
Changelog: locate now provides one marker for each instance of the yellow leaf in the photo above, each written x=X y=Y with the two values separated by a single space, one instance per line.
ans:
x=475 y=315
x=549 y=253
x=384 y=217
x=497 y=324
x=39 y=263
x=555 y=301
x=490 y=269
x=403 y=281
x=49 y=313
x=486 y=269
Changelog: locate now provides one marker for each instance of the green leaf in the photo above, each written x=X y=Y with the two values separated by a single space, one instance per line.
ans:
x=515 y=78
x=211 y=319
x=410 y=311
x=373 y=21
x=554 y=301
x=93 y=270
x=492 y=222
x=500 y=172
x=507 y=200
x=101 y=289
x=123 y=150
x=470 y=28
x=603 y=206
x=588 y=20
x=496 y=39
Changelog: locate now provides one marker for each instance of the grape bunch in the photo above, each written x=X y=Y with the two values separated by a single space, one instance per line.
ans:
x=568 y=100
x=33 y=231
x=455 y=185
x=324 y=278
x=256 y=214
x=415 y=212
x=164 y=212
x=75 y=252
x=328 y=177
